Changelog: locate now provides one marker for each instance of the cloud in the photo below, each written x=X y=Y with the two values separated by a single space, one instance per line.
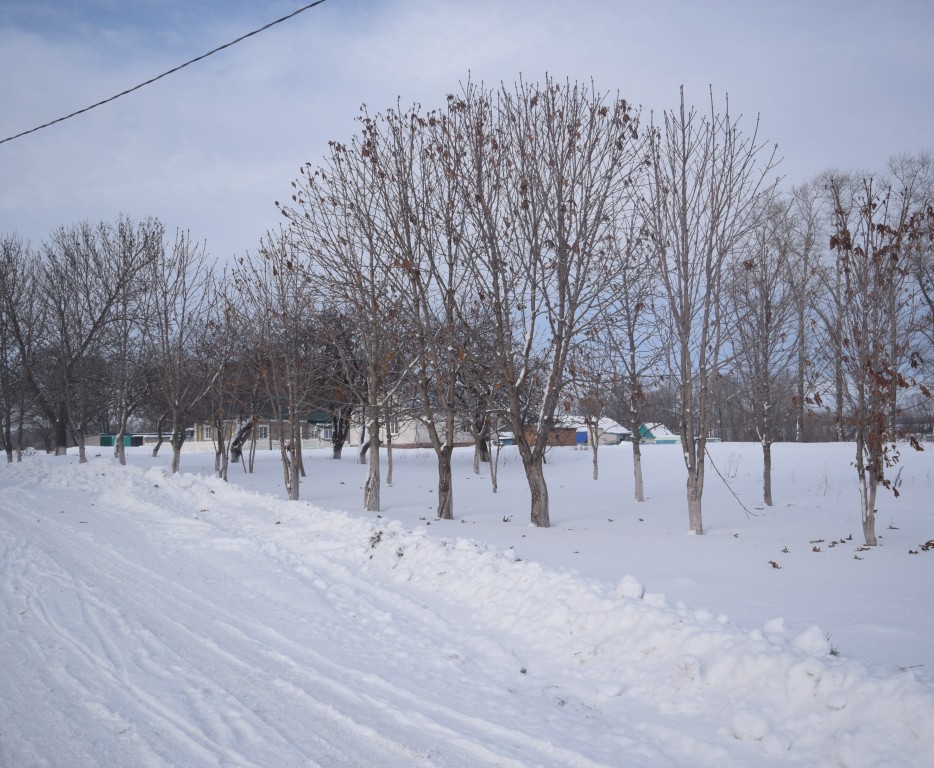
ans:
x=211 y=147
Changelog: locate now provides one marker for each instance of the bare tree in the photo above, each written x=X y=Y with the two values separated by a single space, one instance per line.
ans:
x=10 y=366
x=550 y=167
x=81 y=280
x=280 y=305
x=22 y=327
x=339 y=228
x=180 y=295
x=921 y=250
x=478 y=391
x=910 y=178
x=229 y=391
x=341 y=376
x=760 y=301
x=868 y=244
x=636 y=331
x=135 y=247
x=707 y=187
x=810 y=225
x=590 y=391
x=427 y=242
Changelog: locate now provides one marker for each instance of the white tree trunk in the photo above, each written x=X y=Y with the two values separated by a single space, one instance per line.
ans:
x=767 y=472
x=695 y=491
x=868 y=484
x=637 y=468
x=595 y=446
x=372 y=487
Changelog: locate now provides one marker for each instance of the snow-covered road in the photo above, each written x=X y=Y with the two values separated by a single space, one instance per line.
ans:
x=174 y=640
x=151 y=620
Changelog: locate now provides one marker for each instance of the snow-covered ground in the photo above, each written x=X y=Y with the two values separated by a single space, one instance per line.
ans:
x=152 y=620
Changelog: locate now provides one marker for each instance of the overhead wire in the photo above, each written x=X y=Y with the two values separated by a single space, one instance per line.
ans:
x=164 y=74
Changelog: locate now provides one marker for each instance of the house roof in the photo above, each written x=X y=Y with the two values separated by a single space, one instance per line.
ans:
x=656 y=429
x=605 y=426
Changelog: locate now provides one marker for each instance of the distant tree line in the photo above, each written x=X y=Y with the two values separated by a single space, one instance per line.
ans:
x=523 y=253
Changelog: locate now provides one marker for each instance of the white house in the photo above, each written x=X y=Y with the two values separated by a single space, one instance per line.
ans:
x=609 y=432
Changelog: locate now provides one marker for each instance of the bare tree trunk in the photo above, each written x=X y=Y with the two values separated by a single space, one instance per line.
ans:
x=869 y=514
x=20 y=431
x=637 y=467
x=484 y=446
x=480 y=431
x=223 y=452
x=294 y=475
x=695 y=490
x=177 y=440
x=767 y=472
x=293 y=460
x=364 y=446
x=595 y=446
x=766 y=438
x=61 y=431
x=340 y=430
x=221 y=449
x=372 y=487
x=286 y=475
x=481 y=447
x=82 y=451
x=245 y=432
x=159 y=440
x=535 y=471
x=445 y=486
x=868 y=483
x=21 y=425
x=8 y=442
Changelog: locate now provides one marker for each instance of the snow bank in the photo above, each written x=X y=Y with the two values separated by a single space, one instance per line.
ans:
x=790 y=695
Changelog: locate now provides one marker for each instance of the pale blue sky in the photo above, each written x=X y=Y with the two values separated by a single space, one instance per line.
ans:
x=209 y=149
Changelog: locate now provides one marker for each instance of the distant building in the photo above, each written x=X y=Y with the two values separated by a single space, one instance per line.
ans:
x=609 y=432
x=657 y=434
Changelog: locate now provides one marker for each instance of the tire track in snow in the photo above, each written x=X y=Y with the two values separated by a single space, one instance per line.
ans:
x=100 y=671
x=461 y=634
x=127 y=657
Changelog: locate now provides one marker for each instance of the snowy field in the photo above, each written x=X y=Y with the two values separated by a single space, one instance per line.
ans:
x=152 y=620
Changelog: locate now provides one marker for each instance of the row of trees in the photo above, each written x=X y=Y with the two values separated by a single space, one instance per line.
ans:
x=523 y=253
x=99 y=323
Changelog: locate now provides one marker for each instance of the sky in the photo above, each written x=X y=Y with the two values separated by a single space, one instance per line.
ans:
x=152 y=619
x=210 y=149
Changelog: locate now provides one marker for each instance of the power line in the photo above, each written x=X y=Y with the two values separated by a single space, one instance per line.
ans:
x=164 y=74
